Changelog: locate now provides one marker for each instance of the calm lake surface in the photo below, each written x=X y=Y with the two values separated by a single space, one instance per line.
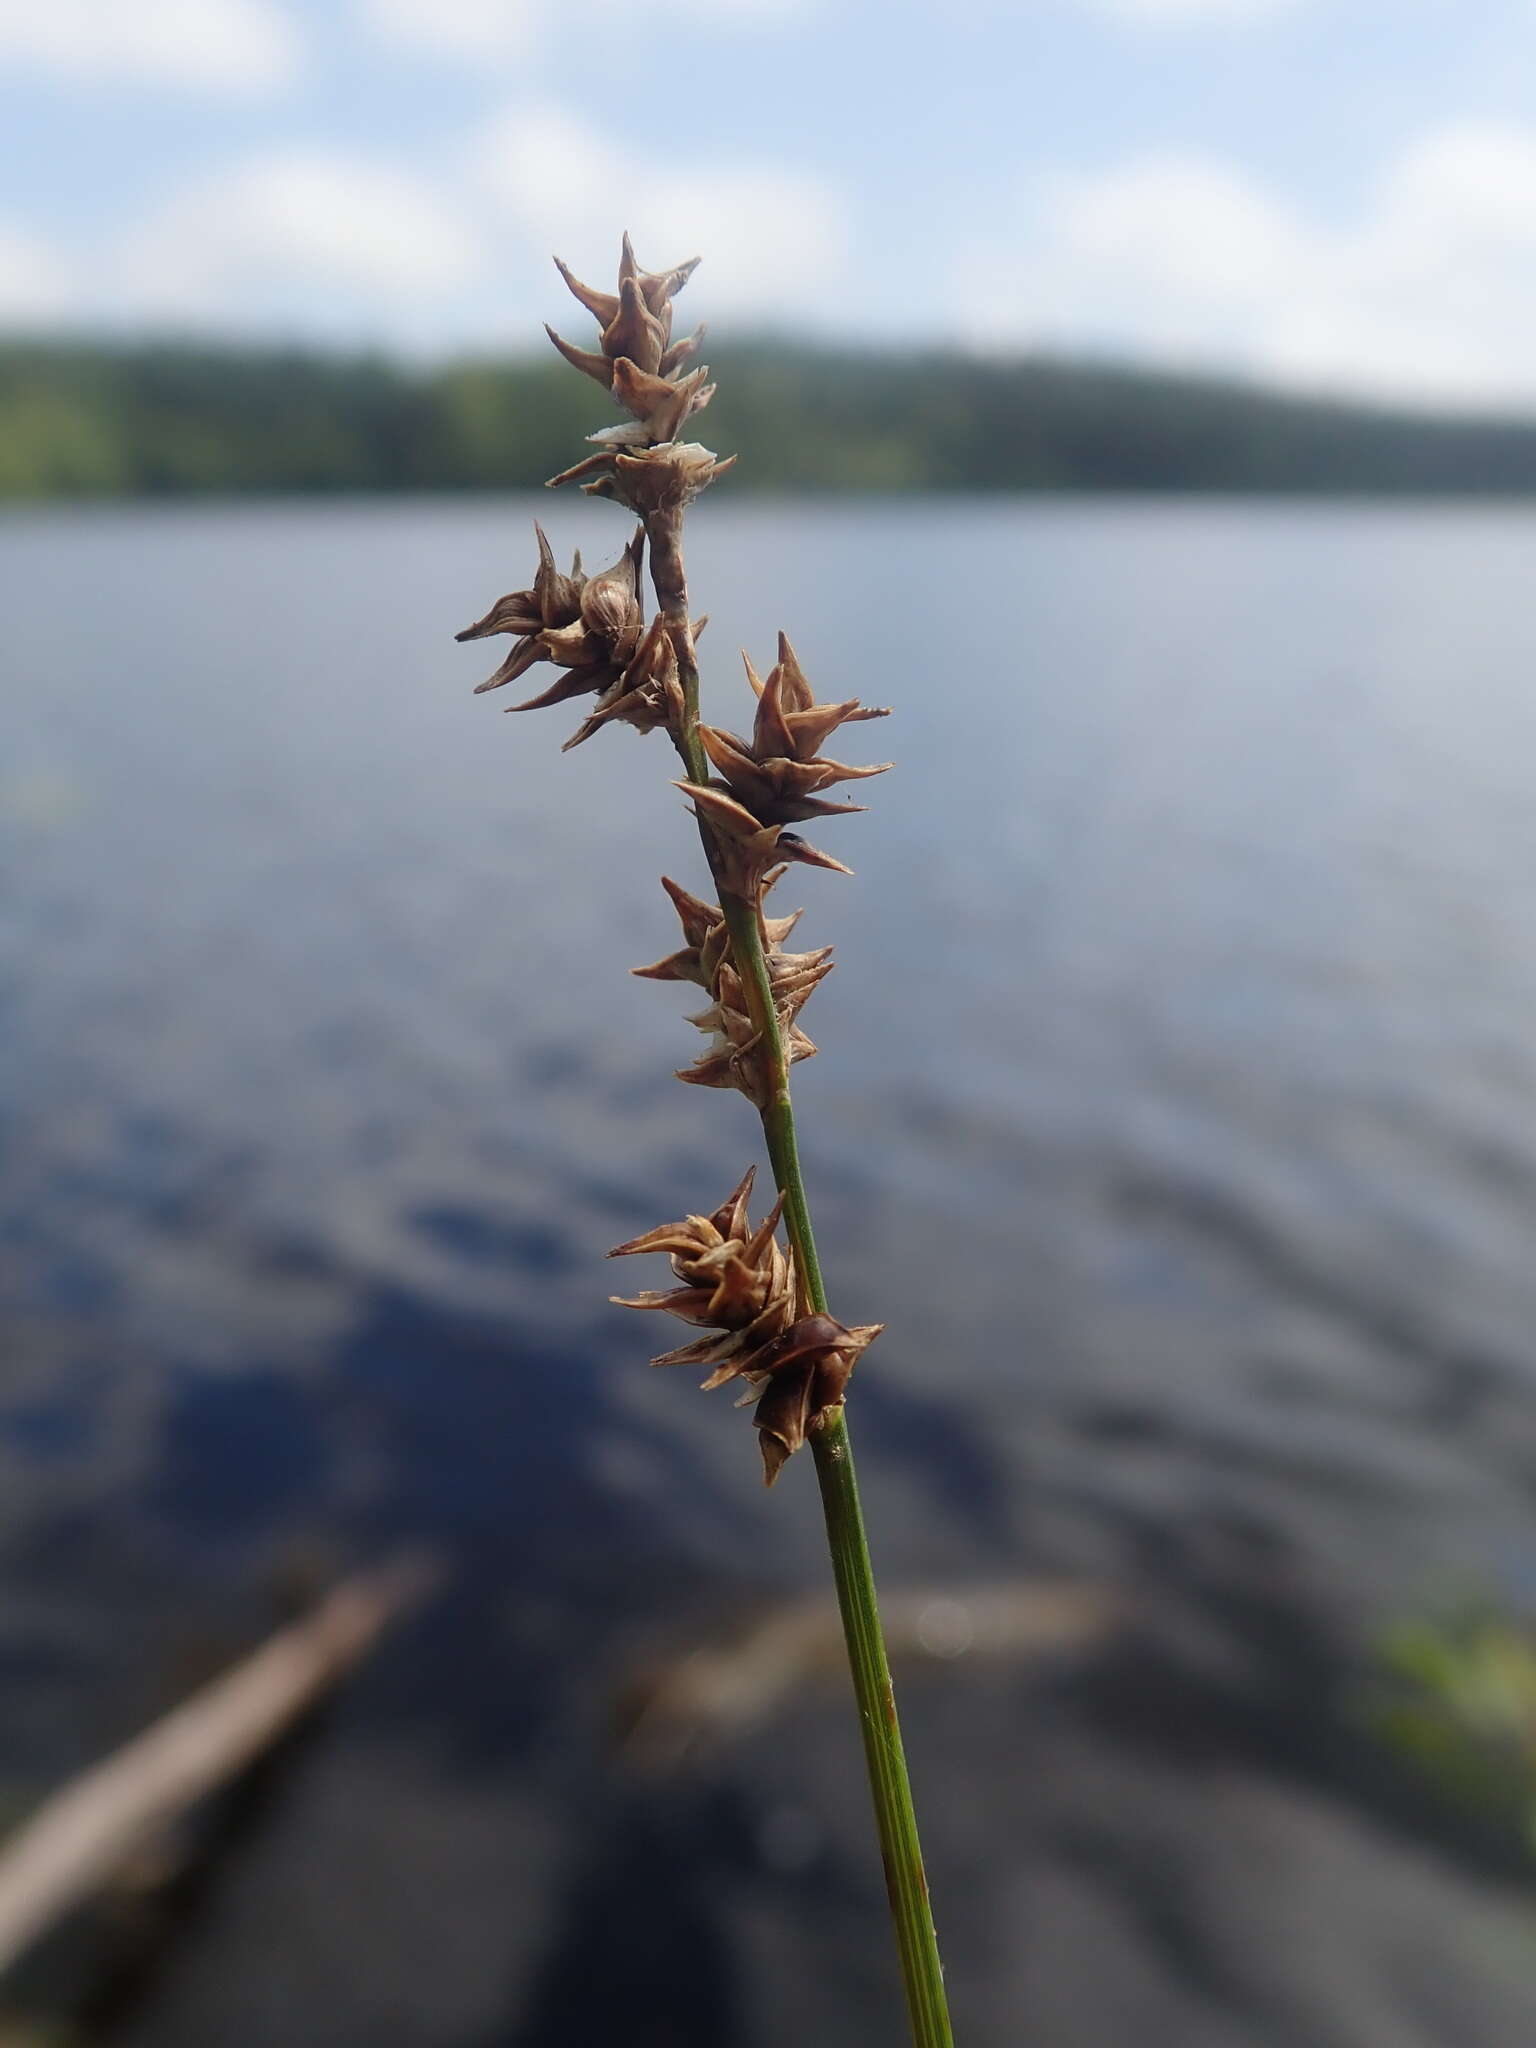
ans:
x=1176 y=1110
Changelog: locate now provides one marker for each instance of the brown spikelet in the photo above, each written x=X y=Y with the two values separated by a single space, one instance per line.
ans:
x=734 y=1278
x=636 y=360
x=737 y=1057
x=642 y=463
x=591 y=627
x=807 y=1370
x=736 y=1282
x=779 y=774
x=646 y=694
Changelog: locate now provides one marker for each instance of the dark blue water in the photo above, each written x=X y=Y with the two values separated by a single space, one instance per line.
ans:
x=1174 y=1109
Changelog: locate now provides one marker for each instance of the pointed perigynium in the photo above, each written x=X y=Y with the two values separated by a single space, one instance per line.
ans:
x=737 y=1057
x=554 y=601
x=738 y=1283
x=642 y=463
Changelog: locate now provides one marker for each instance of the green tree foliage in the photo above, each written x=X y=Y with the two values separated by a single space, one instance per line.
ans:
x=82 y=419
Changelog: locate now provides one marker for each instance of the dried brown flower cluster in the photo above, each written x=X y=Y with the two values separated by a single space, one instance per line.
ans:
x=737 y=1283
x=642 y=463
x=737 y=1057
x=593 y=628
x=772 y=780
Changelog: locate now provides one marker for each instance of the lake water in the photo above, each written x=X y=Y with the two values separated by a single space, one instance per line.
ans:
x=1176 y=1110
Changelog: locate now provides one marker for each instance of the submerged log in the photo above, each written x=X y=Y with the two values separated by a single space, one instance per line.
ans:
x=78 y=1840
x=720 y=1690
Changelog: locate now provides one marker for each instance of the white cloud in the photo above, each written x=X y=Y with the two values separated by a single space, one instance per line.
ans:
x=773 y=236
x=1469 y=180
x=296 y=232
x=479 y=30
x=1430 y=293
x=1192 y=13
x=1150 y=14
x=470 y=29
x=732 y=13
x=34 y=284
x=204 y=45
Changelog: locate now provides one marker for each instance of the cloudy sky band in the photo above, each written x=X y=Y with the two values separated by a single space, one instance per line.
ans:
x=1330 y=192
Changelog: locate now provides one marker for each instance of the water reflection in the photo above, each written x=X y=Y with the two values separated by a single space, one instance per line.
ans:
x=1174 y=1111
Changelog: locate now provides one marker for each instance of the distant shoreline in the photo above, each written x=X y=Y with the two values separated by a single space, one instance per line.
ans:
x=90 y=420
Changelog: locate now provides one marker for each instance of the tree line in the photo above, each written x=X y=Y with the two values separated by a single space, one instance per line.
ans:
x=91 y=419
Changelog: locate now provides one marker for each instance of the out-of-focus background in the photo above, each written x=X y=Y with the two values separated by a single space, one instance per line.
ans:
x=1138 y=396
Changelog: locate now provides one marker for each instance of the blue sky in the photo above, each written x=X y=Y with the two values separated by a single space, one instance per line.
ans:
x=1335 y=193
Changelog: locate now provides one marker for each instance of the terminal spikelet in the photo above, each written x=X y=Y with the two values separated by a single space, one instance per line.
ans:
x=642 y=462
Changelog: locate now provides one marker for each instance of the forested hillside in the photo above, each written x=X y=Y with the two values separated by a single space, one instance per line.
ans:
x=87 y=419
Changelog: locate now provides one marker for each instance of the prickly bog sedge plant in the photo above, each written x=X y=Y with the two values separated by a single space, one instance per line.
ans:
x=764 y=1310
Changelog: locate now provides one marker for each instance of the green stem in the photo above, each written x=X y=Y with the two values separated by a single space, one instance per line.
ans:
x=852 y=1570
x=778 y=1113
x=895 y=1817
x=900 y=1847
